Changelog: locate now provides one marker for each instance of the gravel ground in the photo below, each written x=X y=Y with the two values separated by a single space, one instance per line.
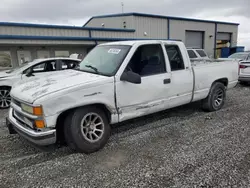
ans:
x=182 y=147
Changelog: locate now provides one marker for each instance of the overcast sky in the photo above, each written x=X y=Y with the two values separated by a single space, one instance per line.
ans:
x=76 y=12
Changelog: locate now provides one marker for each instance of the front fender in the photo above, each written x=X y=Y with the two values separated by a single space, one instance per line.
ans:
x=55 y=104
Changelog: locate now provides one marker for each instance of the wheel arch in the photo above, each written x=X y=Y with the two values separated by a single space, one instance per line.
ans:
x=6 y=86
x=63 y=115
x=224 y=81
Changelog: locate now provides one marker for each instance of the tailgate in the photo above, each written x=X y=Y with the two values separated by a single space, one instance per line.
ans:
x=244 y=68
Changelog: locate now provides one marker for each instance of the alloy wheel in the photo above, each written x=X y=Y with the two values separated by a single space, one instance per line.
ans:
x=5 y=98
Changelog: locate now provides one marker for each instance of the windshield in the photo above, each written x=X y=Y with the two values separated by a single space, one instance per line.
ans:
x=104 y=60
x=241 y=56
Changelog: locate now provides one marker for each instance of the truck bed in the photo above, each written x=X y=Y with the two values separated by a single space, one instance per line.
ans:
x=206 y=72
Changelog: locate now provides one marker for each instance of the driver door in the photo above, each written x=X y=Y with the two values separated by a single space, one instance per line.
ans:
x=134 y=100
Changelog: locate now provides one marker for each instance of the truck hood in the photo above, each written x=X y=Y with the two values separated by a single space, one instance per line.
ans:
x=32 y=88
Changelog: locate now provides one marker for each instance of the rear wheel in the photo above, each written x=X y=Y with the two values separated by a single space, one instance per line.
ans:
x=5 y=98
x=216 y=98
x=88 y=131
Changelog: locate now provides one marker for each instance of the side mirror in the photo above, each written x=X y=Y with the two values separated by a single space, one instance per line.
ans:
x=29 y=72
x=131 y=77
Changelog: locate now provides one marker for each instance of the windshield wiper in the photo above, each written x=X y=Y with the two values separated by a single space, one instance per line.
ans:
x=94 y=68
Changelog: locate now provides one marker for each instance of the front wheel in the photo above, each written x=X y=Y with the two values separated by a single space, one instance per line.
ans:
x=5 y=98
x=88 y=131
x=216 y=98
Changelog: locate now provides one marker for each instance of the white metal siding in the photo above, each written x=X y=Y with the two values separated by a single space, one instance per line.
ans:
x=45 y=42
x=156 y=28
x=223 y=36
x=194 y=39
x=178 y=28
x=112 y=34
x=33 y=31
x=34 y=49
x=233 y=29
x=112 y=22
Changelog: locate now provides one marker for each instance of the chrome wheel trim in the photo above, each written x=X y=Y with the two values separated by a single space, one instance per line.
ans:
x=218 y=98
x=92 y=127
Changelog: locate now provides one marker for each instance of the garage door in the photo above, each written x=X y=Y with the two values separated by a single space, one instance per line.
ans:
x=223 y=36
x=194 y=39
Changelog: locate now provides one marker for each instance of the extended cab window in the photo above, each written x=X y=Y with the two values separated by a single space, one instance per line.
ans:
x=201 y=53
x=191 y=54
x=175 y=57
x=148 y=60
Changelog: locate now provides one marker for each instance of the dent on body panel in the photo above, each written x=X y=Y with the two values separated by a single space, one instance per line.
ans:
x=137 y=110
x=40 y=92
x=48 y=82
x=29 y=85
x=92 y=94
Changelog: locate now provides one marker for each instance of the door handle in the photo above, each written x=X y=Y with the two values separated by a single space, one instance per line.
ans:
x=167 y=81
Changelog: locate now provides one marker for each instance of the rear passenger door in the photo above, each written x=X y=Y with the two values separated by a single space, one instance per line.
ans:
x=181 y=76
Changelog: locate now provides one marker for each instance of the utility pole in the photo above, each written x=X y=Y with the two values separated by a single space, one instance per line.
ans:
x=122 y=6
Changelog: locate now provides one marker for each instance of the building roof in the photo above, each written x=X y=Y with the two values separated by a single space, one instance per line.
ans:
x=14 y=24
x=159 y=16
x=132 y=42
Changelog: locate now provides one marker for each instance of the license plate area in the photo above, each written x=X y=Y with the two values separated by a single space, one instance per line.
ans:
x=246 y=70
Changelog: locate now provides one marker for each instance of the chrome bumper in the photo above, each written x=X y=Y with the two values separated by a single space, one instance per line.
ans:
x=41 y=138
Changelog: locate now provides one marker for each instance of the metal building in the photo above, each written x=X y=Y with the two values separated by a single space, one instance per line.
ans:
x=206 y=34
x=21 y=42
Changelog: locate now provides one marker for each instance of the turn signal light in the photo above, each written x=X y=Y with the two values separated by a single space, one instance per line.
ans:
x=38 y=111
x=39 y=124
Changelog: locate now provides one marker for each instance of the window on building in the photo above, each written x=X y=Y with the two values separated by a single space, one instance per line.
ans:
x=175 y=57
x=191 y=54
x=148 y=60
x=5 y=59
x=201 y=53
x=23 y=56
x=62 y=53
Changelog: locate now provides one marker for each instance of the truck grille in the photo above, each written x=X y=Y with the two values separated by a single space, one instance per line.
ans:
x=23 y=120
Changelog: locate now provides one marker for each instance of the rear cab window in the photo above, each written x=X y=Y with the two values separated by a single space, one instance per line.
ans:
x=191 y=54
x=201 y=53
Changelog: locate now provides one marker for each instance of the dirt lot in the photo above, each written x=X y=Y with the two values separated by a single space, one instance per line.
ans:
x=182 y=147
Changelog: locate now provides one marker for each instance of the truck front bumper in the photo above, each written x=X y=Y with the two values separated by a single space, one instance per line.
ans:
x=41 y=138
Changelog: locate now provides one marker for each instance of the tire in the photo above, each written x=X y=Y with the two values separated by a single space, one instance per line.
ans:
x=5 y=98
x=77 y=130
x=216 y=98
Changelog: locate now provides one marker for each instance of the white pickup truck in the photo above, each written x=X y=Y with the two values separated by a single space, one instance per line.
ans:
x=115 y=82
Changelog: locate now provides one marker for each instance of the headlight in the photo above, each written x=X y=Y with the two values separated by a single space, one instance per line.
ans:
x=34 y=110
